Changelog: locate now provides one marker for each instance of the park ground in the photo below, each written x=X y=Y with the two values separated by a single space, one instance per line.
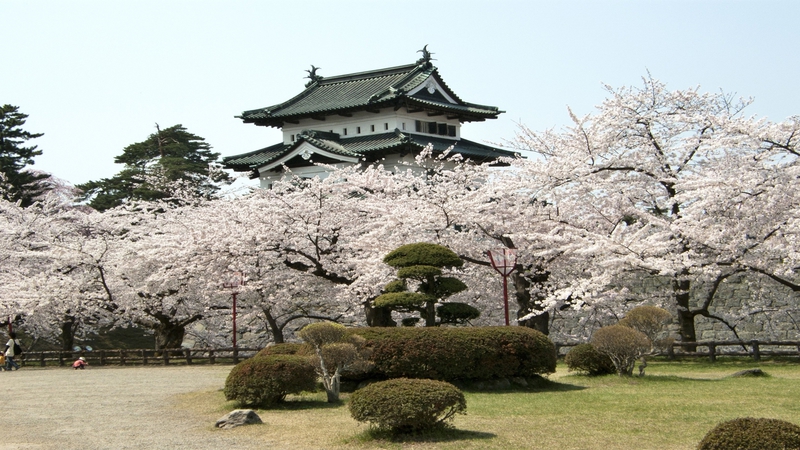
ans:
x=176 y=408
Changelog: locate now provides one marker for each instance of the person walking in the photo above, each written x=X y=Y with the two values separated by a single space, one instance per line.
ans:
x=12 y=349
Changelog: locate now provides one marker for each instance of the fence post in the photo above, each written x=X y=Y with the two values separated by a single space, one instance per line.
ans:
x=102 y=357
x=60 y=358
x=235 y=355
x=756 y=351
x=712 y=352
x=671 y=351
x=211 y=358
x=144 y=357
x=165 y=354
x=122 y=357
x=188 y=353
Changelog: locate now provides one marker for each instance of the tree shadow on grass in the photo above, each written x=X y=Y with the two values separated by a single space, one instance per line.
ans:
x=442 y=434
x=301 y=405
x=614 y=378
x=670 y=379
x=539 y=384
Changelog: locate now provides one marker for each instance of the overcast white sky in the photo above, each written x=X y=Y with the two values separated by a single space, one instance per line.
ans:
x=96 y=76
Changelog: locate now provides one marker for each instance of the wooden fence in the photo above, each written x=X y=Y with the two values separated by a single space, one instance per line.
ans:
x=130 y=357
x=754 y=349
x=710 y=349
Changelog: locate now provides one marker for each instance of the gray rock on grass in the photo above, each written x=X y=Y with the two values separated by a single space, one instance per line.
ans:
x=238 y=417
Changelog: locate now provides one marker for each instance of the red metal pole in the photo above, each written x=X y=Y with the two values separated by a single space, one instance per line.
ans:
x=234 y=320
x=505 y=295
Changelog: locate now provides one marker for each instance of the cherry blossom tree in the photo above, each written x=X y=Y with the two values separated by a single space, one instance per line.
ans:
x=659 y=196
x=645 y=185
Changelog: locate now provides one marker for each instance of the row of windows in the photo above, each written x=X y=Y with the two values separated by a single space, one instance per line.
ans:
x=441 y=129
x=371 y=129
x=358 y=130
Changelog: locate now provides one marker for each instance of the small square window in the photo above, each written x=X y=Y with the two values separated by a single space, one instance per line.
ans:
x=418 y=126
x=442 y=129
x=292 y=138
x=431 y=127
x=451 y=130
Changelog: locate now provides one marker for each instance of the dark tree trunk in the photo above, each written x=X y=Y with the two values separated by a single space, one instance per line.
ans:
x=526 y=304
x=685 y=315
x=169 y=335
x=378 y=317
x=429 y=314
x=68 y=328
x=277 y=331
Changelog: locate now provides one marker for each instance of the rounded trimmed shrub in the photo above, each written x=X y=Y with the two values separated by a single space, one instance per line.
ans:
x=622 y=344
x=749 y=433
x=262 y=381
x=287 y=348
x=586 y=359
x=456 y=353
x=407 y=405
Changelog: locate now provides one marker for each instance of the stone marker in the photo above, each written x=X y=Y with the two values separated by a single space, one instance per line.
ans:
x=237 y=418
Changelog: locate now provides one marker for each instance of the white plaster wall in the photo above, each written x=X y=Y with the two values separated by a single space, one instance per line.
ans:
x=267 y=179
x=385 y=121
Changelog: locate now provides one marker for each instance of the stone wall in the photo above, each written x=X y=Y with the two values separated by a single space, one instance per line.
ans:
x=755 y=307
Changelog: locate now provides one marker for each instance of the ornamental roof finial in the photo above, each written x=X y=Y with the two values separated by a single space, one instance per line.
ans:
x=312 y=75
x=426 y=55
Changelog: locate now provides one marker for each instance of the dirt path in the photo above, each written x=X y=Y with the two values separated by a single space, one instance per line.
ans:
x=111 y=408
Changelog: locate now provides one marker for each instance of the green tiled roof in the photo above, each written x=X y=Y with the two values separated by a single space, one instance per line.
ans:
x=256 y=158
x=368 y=147
x=371 y=90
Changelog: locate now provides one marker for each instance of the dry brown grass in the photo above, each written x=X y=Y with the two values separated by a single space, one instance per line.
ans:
x=671 y=408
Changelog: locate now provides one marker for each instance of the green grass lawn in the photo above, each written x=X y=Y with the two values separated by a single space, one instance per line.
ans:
x=672 y=407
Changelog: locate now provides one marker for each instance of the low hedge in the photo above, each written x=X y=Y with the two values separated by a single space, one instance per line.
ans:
x=407 y=405
x=287 y=348
x=455 y=354
x=748 y=433
x=265 y=380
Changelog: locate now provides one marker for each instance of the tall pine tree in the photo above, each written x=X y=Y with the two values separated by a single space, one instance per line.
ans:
x=172 y=154
x=19 y=183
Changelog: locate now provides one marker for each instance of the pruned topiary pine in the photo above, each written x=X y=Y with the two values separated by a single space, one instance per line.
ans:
x=457 y=313
x=420 y=264
x=650 y=320
x=748 y=433
x=623 y=345
x=335 y=351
